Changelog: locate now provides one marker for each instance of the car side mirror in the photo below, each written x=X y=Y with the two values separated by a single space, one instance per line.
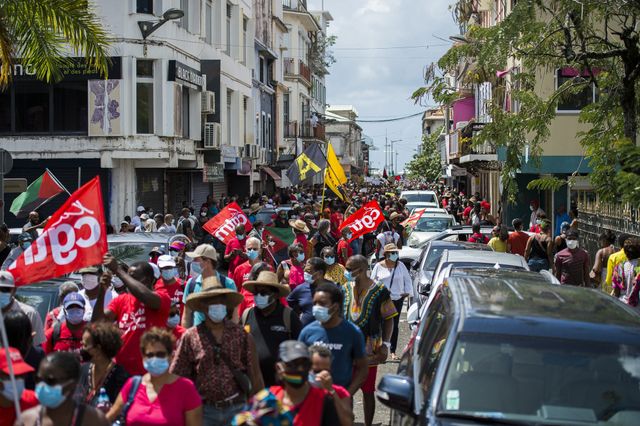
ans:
x=424 y=288
x=396 y=392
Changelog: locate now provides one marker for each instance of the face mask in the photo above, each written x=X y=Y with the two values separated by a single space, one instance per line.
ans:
x=313 y=222
x=89 y=281
x=168 y=274
x=49 y=396
x=117 y=282
x=75 y=315
x=85 y=356
x=349 y=235
x=203 y=214
x=5 y=300
x=217 y=312
x=349 y=276
x=196 y=268
x=262 y=301
x=173 y=253
x=240 y=237
x=300 y=257
x=26 y=245
x=7 y=392
x=393 y=257
x=294 y=379
x=531 y=208
x=156 y=366
x=572 y=244
x=252 y=254
x=173 y=321
x=321 y=313
x=538 y=222
x=329 y=260
x=308 y=278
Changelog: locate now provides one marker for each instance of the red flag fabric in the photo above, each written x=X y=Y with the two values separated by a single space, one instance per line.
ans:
x=413 y=217
x=384 y=173
x=278 y=243
x=74 y=237
x=365 y=220
x=223 y=225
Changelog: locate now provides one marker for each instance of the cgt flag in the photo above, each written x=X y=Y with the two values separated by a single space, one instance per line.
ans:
x=365 y=220
x=306 y=165
x=223 y=225
x=73 y=238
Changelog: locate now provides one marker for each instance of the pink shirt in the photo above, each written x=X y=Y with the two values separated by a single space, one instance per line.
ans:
x=169 y=408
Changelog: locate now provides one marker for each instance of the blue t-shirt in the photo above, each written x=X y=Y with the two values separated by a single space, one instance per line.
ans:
x=196 y=284
x=301 y=301
x=346 y=342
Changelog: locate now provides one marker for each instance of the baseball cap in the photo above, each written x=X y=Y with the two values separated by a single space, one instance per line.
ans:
x=6 y=279
x=72 y=299
x=166 y=261
x=156 y=250
x=204 y=250
x=140 y=209
x=19 y=366
x=177 y=245
x=290 y=350
x=156 y=270
x=89 y=270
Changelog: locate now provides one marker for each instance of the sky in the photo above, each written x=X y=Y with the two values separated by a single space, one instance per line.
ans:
x=376 y=76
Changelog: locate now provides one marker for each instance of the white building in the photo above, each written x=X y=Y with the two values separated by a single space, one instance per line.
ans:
x=346 y=137
x=167 y=128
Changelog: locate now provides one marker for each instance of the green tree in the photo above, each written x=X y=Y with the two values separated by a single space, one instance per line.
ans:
x=38 y=32
x=427 y=163
x=600 y=38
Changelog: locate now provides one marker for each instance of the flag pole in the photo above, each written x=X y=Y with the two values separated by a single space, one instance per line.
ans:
x=332 y=172
x=12 y=375
x=324 y=188
x=57 y=181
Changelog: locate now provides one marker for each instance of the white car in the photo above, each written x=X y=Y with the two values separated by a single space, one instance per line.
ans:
x=428 y=226
x=420 y=199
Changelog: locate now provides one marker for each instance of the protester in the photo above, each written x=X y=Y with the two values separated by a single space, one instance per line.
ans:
x=24 y=242
x=253 y=252
x=135 y=221
x=186 y=224
x=539 y=250
x=369 y=306
x=477 y=236
x=218 y=355
x=322 y=238
x=56 y=314
x=21 y=370
x=66 y=334
x=169 y=280
x=204 y=265
x=386 y=237
x=59 y=373
x=100 y=344
x=518 y=238
x=536 y=211
x=20 y=336
x=615 y=259
x=134 y=312
x=560 y=242
x=500 y=239
x=257 y=231
x=8 y=303
x=300 y=230
x=269 y=322
x=301 y=297
x=167 y=225
x=335 y=271
x=32 y=225
x=91 y=289
x=394 y=275
x=234 y=253
x=598 y=273
x=572 y=265
x=626 y=276
x=291 y=270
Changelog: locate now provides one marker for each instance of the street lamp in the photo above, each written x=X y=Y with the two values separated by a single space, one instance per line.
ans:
x=148 y=27
x=459 y=38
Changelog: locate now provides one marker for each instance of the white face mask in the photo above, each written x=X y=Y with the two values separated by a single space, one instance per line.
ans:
x=572 y=244
x=89 y=281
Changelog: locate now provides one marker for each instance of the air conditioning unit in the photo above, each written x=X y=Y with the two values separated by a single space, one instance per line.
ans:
x=208 y=102
x=212 y=135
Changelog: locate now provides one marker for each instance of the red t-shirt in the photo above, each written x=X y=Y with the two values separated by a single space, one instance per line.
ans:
x=51 y=317
x=518 y=241
x=238 y=260
x=178 y=331
x=342 y=244
x=8 y=414
x=302 y=240
x=240 y=275
x=309 y=411
x=134 y=319
x=466 y=212
x=336 y=220
x=175 y=292
x=67 y=341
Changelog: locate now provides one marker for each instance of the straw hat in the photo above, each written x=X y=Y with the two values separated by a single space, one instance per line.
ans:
x=299 y=225
x=390 y=247
x=270 y=279
x=394 y=215
x=253 y=208
x=211 y=288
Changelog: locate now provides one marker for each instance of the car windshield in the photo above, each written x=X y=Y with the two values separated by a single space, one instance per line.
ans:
x=130 y=252
x=42 y=300
x=433 y=224
x=419 y=198
x=433 y=257
x=265 y=216
x=542 y=380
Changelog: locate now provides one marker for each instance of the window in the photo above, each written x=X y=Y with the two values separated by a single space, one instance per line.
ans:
x=245 y=42
x=32 y=107
x=261 y=70
x=70 y=96
x=245 y=110
x=144 y=6
x=229 y=95
x=574 y=101
x=144 y=96
x=5 y=111
x=208 y=22
x=264 y=130
x=228 y=48
x=285 y=107
x=185 y=112
x=184 y=21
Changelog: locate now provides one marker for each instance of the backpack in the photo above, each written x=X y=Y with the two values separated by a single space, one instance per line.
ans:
x=287 y=312
x=55 y=337
x=191 y=284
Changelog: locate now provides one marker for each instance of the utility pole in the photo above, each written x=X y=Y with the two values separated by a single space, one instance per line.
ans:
x=391 y=151
x=386 y=152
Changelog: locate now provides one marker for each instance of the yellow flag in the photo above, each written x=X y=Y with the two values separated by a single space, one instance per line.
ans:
x=334 y=175
x=331 y=184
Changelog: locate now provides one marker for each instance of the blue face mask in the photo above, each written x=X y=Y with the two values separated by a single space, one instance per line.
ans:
x=321 y=313
x=348 y=275
x=393 y=257
x=329 y=260
x=262 y=301
x=308 y=278
x=50 y=396
x=26 y=245
x=168 y=274
x=196 y=268
x=75 y=315
x=5 y=300
x=300 y=257
x=173 y=321
x=156 y=366
x=217 y=313
x=240 y=237
x=252 y=254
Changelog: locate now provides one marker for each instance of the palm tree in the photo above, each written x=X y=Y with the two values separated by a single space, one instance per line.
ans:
x=39 y=32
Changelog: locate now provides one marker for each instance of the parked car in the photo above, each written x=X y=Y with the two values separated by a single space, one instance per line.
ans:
x=516 y=351
x=419 y=199
x=266 y=214
x=42 y=296
x=429 y=225
x=133 y=247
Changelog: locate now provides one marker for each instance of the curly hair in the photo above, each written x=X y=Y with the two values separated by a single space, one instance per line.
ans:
x=105 y=335
x=157 y=335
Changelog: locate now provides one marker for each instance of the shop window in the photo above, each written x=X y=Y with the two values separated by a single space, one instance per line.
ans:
x=144 y=6
x=5 y=111
x=185 y=112
x=71 y=96
x=32 y=107
x=144 y=108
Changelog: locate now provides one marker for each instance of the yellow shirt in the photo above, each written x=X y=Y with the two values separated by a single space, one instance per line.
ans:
x=614 y=260
x=498 y=245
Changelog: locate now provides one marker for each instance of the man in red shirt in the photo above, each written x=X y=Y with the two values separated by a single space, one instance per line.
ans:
x=518 y=238
x=321 y=371
x=170 y=282
x=66 y=334
x=234 y=253
x=300 y=229
x=336 y=220
x=27 y=397
x=344 y=248
x=134 y=312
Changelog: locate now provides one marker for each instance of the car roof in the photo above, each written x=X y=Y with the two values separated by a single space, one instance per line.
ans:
x=481 y=256
x=418 y=191
x=534 y=308
x=51 y=284
x=459 y=245
x=502 y=273
x=140 y=237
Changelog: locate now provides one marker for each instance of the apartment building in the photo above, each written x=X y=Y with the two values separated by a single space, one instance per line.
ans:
x=346 y=137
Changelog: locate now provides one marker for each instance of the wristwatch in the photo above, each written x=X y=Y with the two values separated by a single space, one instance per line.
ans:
x=387 y=344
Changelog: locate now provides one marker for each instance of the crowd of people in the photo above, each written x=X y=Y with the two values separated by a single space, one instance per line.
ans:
x=216 y=335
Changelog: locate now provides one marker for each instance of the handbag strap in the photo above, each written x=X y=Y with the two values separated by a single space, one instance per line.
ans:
x=393 y=274
x=135 y=384
x=218 y=347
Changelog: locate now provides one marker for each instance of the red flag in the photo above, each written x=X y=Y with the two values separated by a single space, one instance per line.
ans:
x=278 y=243
x=223 y=225
x=365 y=220
x=384 y=173
x=413 y=218
x=73 y=238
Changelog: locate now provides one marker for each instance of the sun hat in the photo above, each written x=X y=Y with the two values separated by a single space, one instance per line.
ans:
x=144 y=217
x=390 y=247
x=20 y=367
x=72 y=299
x=177 y=245
x=267 y=279
x=290 y=350
x=299 y=224
x=156 y=250
x=166 y=261
x=211 y=288
x=89 y=270
x=204 y=250
x=254 y=208
x=6 y=279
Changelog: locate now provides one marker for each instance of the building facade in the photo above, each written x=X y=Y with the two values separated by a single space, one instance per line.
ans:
x=347 y=140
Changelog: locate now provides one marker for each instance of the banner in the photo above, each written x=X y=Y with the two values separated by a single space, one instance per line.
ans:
x=413 y=218
x=334 y=175
x=365 y=220
x=223 y=225
x=306 y=165
x=74 y=237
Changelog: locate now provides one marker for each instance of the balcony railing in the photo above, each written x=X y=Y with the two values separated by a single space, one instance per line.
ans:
x=291 y=129
x=454 y=145
x=305 y=71
x=300 y=5
x=305 y=130
x=484 y=149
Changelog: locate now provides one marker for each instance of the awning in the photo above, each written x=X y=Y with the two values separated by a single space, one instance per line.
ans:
x=276 y=177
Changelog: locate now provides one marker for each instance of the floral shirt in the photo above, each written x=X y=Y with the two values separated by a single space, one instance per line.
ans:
x=335 y=273
x=626 y=277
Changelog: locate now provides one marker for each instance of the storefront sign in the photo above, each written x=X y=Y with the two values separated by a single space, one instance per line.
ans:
x=76 y=69
x=213 y=173
x=181 y=73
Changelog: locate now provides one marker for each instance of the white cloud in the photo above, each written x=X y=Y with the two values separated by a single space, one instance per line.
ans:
x=374 y=6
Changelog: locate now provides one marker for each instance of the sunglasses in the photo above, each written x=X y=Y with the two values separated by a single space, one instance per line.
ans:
x=53 y=381
x=160 y=354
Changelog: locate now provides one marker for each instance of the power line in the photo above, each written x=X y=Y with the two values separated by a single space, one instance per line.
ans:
x=386 y=120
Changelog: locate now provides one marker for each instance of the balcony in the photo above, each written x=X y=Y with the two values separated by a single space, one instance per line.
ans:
x=298 y=5
x=291 y=129
x=484 y=152
x=305 y=130
x=302 y=71
x=289 y=66
x=452 y=141
x=305 y=71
